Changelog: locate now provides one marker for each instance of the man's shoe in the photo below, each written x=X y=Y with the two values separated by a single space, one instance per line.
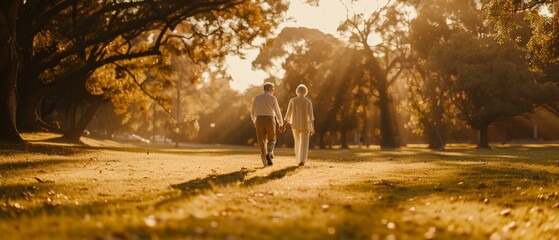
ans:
x=269 y=159
x=301 y=164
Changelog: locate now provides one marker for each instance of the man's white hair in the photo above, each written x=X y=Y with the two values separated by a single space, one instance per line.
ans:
x=301 y=90
x=267 y=86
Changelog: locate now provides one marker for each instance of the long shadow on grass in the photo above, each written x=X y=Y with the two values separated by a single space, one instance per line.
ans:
x=357 y=220
x=13 y=149
x=544 y=155
x=7 y=167
x=18 y=191
x=496 y=188
x=200 y=186
x=21 y=193
x=504 y=186
x=188 y=189
x=365 y=155
x=272 y=176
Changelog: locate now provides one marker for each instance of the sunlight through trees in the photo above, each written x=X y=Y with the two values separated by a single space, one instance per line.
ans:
x=402 y=72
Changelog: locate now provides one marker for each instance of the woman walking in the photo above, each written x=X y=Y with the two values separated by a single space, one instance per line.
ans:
x=300 y=116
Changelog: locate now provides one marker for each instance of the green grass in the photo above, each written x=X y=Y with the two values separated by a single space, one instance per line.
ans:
x=59 y=191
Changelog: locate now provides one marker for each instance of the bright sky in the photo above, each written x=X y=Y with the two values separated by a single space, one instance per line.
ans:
x=325 y=17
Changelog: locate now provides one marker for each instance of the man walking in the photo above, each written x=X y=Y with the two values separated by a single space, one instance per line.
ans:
x=265 y=112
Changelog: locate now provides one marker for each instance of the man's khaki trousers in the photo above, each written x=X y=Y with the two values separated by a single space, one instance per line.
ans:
x=266 y=136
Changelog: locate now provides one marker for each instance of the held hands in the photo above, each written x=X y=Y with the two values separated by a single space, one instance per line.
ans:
x=282 y=128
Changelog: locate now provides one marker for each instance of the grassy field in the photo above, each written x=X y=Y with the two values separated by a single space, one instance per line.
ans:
x=59 y=191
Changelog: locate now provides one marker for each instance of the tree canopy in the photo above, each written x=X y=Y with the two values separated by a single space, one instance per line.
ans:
x=63 y=43
x=543 y=19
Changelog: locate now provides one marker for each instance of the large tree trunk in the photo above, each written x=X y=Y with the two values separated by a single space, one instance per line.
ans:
x=34 y=92
x=387 y=138
x=154 y=121
x=87 y=113
x=8 y=71
x=434 y=130
x=483 y=141
x=434 y=138
x=322 y=142
x=344 y=139
x=28 y=118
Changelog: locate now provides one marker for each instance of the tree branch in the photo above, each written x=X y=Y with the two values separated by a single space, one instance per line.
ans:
x=140 y=85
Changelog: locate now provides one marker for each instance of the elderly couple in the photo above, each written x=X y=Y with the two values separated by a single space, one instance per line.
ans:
x=265 y=111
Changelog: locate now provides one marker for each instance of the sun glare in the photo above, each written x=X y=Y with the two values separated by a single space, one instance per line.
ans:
x=326 y=17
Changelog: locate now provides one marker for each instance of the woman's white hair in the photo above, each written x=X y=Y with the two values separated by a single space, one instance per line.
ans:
x=301 y=90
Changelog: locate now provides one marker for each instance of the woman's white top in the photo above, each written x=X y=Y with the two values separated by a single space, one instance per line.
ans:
x=300 y=113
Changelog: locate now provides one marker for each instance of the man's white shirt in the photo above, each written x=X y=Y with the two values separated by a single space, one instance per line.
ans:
x=265 y=104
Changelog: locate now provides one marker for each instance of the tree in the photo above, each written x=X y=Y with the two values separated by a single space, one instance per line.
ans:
x=534 y=24
x=488 y=81
x=544 y=24
x=8 y=70
x=62 y=43
x=384 y=60
x=429 y=101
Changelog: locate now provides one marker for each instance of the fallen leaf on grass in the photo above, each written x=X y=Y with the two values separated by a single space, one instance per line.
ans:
x=214 y=224
x=150 y=221
x=252 y=201
x=43 y=181
x=17 y=206
x=495 y=236
x=430 y=234
x=228 y=211
x=506 y=212
x=28 y=194
x=510 y=226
